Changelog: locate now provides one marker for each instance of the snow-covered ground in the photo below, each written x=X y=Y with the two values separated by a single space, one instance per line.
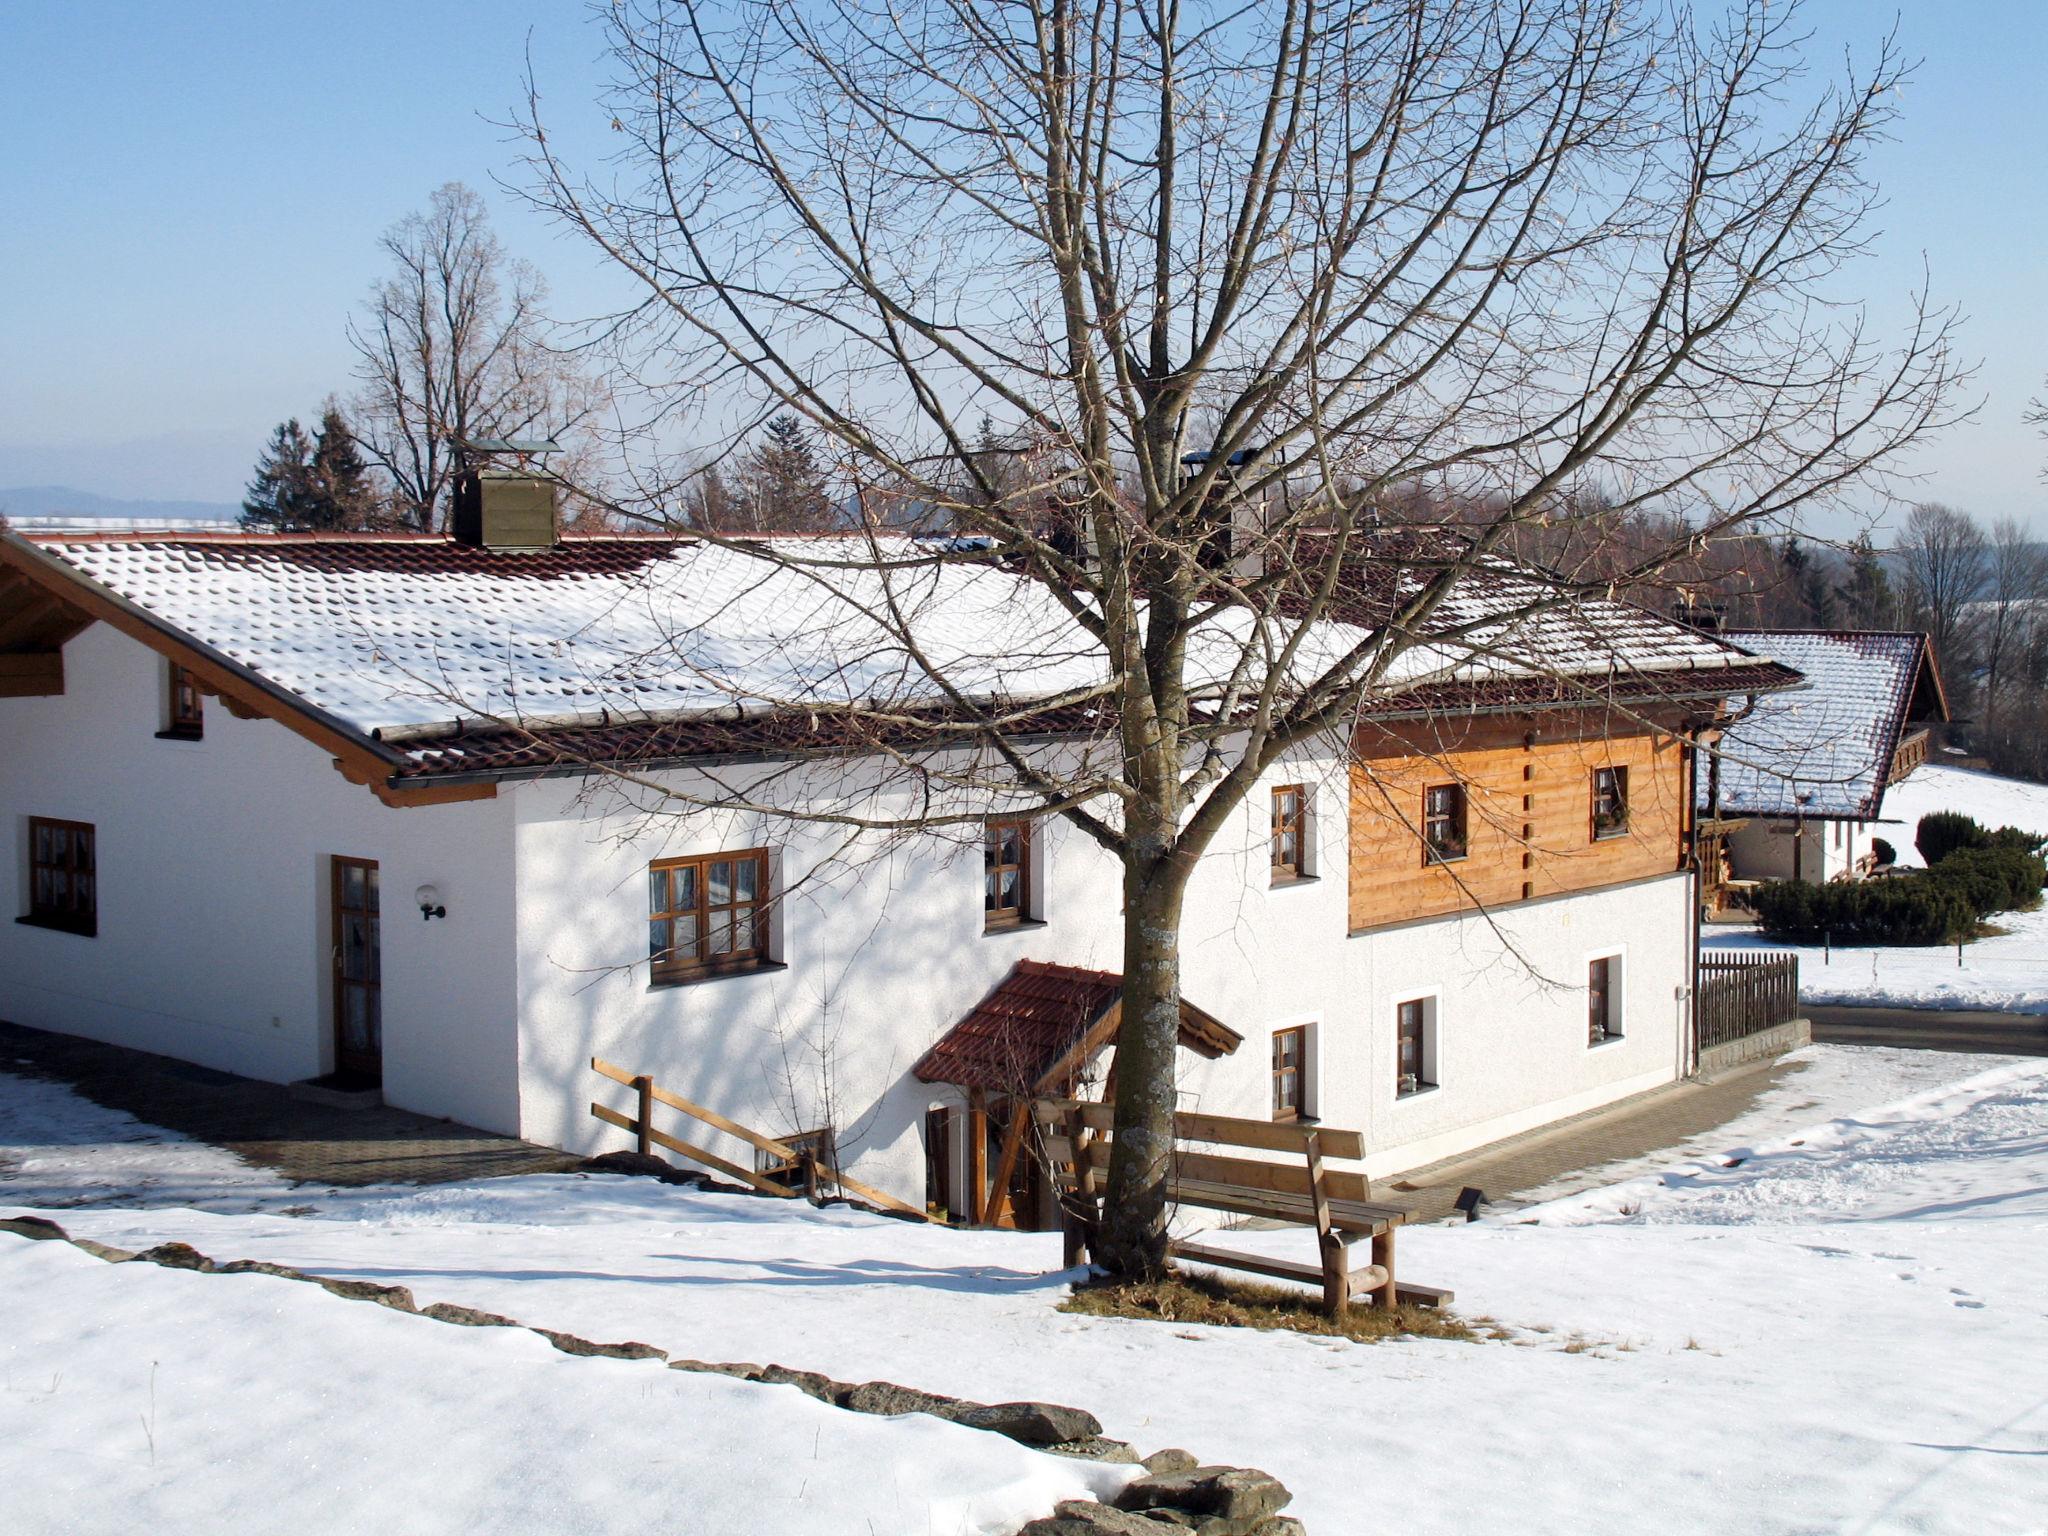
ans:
x=2007 y=972
x=1844 y=1331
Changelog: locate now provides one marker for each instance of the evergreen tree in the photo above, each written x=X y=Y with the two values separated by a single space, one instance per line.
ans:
x=1807 y=576
x=281 y=495
x=341 y=494
x=782 y=485
x=1866 y=592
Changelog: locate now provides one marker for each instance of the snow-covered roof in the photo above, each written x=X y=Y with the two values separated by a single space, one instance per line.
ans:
x=453 y=659
x=1826 y=750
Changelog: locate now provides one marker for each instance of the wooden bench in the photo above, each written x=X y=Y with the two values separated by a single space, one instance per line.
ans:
x=1336 y=1202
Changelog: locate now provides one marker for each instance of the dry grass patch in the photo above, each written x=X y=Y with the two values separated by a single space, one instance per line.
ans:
x=1189 y=1298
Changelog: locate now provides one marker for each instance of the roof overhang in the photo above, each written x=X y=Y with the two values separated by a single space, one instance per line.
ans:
x=47 y=597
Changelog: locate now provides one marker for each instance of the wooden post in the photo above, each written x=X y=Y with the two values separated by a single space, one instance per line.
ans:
x=1383 y=1256
x=644 y=1087
x=1330 y=1247
x=1006 y=1164
x=807 y=1161
x=977 y=1155
x=1078 y=1237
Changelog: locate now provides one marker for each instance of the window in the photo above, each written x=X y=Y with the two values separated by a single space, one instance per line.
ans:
x=707 y=915
x=818 y=1147
x=1290 y=833
x=1006 y=874
x=1610 y=802
x=1603 y=1000
x=1443 y=823
x=1290 y=1073
x=62 y=890
x=184 y=705
x=1415 y=1046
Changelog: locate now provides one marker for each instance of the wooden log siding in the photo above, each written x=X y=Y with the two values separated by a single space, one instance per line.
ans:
x=1529 y=813
x=1743 y=995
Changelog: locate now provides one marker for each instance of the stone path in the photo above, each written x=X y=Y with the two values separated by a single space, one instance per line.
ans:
x=264 y=1124
x=1649 y=1122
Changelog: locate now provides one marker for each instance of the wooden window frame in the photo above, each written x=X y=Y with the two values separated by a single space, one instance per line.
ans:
x=1617 y=824
x=184 y=706
x=74 y=917
x=1416 y=1009
x=1290 y=819
x=670 y=971
x=1434 y=852
x=1603 y=1011
x=1298 y=1108
x=993 y=918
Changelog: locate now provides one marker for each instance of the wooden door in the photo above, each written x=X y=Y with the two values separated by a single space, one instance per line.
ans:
x=358 y=971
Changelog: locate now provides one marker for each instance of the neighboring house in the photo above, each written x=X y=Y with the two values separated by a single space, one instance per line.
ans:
x=1796 y=789
x=239 y=767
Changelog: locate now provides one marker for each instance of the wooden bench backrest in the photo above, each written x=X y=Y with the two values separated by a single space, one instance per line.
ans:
x=1221 y=1130
x=1242 y=1173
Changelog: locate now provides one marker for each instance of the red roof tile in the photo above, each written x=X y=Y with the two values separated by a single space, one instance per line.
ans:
x=1023 y=1029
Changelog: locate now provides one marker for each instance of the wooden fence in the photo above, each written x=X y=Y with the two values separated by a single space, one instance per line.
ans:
x=815 y=1175
x=1742 y=995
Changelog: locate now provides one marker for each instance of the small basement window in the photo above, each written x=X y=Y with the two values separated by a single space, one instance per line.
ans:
x=63 y=887
x=184 y=705
x=817 y=1146
x=1610 y=802
x=1603 y=1000
x=1443 y=823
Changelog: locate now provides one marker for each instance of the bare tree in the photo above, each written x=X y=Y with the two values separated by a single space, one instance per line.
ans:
x=453 y=345
x=2015 y=610
x=1232 y=277
x=1941 y=553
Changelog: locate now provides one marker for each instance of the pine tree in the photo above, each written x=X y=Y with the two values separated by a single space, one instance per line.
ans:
x=782 y=485
x=281 y=495
x=1808 y=577
x=341 y=495
x=1866 y=592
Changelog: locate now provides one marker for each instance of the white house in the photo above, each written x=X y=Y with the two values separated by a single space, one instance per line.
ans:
x=238 y=767
x=1796 y=785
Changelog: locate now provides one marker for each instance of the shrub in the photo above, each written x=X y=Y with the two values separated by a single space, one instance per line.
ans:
x=1993 y=879
x=1941 y=833
x=1882 y=853
x=1911 y=909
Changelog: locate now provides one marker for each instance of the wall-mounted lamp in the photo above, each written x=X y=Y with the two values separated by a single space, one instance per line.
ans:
x=429 y=898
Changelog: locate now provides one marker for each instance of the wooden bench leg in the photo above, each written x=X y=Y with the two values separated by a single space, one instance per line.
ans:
x=1336 y=1277
x=1383 y=1256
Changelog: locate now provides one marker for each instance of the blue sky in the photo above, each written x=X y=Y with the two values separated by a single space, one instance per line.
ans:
x=193 y=195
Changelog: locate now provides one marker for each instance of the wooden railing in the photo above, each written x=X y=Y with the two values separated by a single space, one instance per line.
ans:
x=815 y=1174
x=1911 y=753
x=1742 y=995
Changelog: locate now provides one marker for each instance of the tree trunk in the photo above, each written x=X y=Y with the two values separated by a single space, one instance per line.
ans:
x=1132 y=1241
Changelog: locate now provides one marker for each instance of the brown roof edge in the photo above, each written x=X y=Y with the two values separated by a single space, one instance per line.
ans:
x=360 y=759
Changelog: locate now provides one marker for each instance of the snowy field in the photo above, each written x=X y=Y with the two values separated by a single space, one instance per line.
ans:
x=2007 y=972
x=1845 y=1330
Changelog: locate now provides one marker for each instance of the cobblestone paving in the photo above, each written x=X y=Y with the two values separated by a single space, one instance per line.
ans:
x=1649 y=1122
x=264 y=1124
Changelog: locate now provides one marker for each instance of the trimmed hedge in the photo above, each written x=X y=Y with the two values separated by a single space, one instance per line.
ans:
x=1909 y=909
x=1995 y=879
x=1882 y=853
x=1942 y=832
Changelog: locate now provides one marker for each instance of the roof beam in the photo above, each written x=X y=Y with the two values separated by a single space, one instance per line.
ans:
x=31 y=674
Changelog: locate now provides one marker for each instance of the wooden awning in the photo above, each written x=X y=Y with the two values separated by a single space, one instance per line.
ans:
x=1040 y=1026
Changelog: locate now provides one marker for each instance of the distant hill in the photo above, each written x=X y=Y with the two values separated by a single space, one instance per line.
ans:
x=46 y=506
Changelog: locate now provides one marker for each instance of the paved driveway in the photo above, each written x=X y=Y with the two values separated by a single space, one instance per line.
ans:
x=1933 y=1029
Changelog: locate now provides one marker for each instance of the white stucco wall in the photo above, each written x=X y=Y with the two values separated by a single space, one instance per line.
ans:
x=879 y=958
x=213 y=895
x=1763 y=848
